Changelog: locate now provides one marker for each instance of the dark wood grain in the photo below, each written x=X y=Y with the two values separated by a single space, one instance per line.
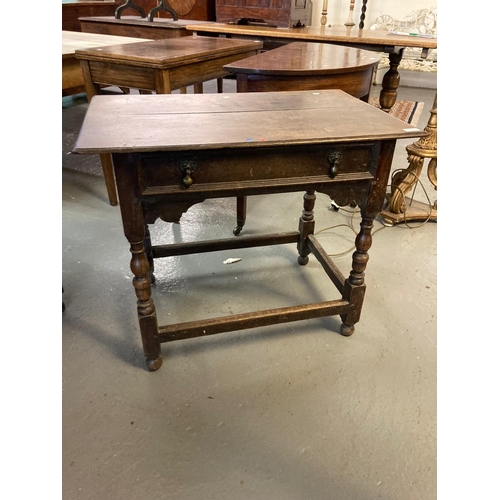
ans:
x=248 y=121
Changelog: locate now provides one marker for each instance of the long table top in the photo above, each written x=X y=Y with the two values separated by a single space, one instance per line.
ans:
x=339 y=34
x=181 y=122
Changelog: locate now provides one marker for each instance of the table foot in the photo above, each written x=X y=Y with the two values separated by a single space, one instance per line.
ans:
x=237 y=230
x=154 y=364
x=303 y=260
x=346 y=330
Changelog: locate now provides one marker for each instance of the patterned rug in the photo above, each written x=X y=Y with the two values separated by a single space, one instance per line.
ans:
x=407 y=111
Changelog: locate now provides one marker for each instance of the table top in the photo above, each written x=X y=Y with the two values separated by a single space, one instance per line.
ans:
x=158 y=22
x=318 y=34
x=191 y=122
x=303 y=58
x=75 y=40
x=170 y=52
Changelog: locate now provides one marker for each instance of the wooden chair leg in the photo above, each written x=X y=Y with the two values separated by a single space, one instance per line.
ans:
x=109 y=178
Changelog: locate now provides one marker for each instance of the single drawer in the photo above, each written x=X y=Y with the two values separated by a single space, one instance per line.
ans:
x=244 y=168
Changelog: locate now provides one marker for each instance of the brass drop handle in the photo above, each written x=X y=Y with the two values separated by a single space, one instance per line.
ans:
x=334 y=159
x=187 y=168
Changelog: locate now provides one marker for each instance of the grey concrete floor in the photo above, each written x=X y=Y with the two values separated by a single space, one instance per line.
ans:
x=288 y=412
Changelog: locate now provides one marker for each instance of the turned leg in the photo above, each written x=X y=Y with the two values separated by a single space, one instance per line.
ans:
x=390 y=82
x=137 y=235
x=241 y=214
x=149 y=253
x=354 y=288
x=306 y=227
x=145 y=306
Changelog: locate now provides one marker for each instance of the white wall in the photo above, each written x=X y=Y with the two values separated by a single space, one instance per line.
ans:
x=338 y=10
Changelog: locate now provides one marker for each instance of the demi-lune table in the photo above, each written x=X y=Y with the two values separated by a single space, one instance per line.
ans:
x=173 y=151
x=307 y=66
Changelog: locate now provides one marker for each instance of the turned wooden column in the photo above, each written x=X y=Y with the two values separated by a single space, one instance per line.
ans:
x=137 y=235
x=306 y=227
x=390 y=82
x=354 y=289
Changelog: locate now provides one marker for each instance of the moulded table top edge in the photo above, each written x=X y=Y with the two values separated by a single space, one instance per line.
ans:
x=146 y=123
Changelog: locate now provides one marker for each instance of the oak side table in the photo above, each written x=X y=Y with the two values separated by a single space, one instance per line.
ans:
x=72 y=76
x=193 y=147
x=159 y=66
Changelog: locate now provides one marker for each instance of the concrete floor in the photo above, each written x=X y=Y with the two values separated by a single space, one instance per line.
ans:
x=288 y=412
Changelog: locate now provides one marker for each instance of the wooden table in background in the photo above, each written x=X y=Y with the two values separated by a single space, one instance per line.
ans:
x=196 y=147
x=307 y=66
x=71 y=11
x=137 y=26
x=159 y=66
x=72 y=76
x=378 y=41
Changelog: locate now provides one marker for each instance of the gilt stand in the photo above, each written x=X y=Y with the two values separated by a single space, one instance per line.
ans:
x=400 y=207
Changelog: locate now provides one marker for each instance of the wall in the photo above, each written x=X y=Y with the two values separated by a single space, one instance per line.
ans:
x=338 y=10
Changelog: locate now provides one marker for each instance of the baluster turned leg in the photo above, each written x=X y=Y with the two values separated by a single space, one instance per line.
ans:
x=136 y=233
x=145 y=306
x=306 y=227
x=390 y=82
x=354 y=289
x=149 y=253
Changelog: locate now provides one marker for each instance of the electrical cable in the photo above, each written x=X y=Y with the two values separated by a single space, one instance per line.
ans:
x=354 y=212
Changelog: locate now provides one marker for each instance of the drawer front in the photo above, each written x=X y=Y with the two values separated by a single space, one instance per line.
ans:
x=255 y=167
x=122 y=75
